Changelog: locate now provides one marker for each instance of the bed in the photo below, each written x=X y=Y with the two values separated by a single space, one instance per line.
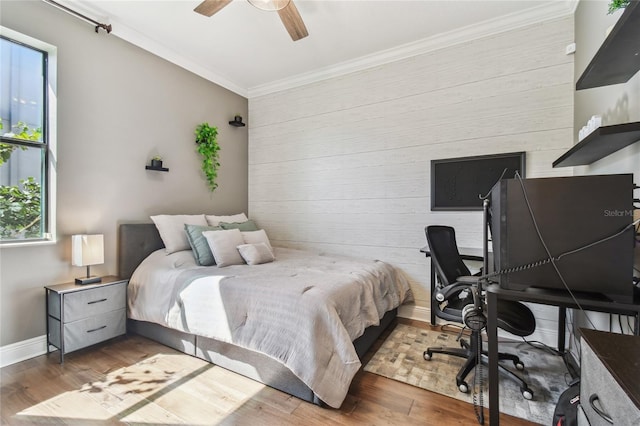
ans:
x=225 y=315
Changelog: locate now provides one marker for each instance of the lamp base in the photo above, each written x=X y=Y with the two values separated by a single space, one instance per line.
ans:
x=88 y=280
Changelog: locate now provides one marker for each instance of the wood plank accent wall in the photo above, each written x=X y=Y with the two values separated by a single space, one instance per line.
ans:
x=343 y=165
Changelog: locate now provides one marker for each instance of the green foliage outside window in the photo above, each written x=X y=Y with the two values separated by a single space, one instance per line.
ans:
x=20 y=205
x=20 y=209
x=23 y=131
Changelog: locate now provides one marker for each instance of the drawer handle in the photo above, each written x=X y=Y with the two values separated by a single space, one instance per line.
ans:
x=96 y=329
x=96 y=301
x=592 y=399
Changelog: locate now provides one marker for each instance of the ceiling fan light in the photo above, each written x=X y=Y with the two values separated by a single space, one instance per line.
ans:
x=269 y=5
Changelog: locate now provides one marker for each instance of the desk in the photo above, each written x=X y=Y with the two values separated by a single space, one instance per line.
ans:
x=545 y=297
x=468 y=254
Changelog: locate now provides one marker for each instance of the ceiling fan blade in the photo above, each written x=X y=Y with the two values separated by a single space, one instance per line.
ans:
x=209 y=7
x=292 y=21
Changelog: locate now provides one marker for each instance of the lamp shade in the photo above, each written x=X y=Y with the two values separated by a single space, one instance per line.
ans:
x=87 y=249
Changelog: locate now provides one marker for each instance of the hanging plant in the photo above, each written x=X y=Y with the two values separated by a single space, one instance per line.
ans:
x=206 y=140
x=617 y=4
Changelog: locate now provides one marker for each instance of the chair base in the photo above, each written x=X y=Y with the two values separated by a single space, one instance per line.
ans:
x=469 y=351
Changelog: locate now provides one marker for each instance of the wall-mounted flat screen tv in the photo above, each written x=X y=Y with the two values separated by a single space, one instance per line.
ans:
x=459 y=183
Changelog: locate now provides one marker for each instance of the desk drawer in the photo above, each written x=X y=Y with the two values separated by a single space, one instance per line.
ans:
x=95 y=329
x=95 y=301
x=599 y=390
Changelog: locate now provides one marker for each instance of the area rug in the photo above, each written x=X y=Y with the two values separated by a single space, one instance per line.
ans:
x=401 y=358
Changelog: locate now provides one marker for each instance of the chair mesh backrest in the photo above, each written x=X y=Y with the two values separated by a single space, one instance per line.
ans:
x=444 y=253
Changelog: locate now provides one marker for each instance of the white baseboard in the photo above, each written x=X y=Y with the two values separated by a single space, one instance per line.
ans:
x=418 y=313
x=20 y=351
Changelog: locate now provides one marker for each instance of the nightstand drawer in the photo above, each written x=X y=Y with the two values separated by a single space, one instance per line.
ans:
x=600 y=391
x=582 y=418
x=95 y=301
x=95 y=329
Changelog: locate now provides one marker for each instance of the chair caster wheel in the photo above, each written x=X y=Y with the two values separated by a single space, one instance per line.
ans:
x=519 y=365
x=427 y=355
x=463 y=387
x=527 y=394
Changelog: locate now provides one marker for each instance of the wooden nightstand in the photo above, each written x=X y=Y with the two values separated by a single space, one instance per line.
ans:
x=82 y=315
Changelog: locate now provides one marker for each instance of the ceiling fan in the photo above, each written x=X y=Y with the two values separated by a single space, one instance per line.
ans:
x=288 y=12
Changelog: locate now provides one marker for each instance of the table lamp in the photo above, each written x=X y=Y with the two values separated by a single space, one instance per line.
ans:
x=87 y=250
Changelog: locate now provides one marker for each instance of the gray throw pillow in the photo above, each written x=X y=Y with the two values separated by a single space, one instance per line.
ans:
x=255 y=237
x=255 y=254
x=223 y=246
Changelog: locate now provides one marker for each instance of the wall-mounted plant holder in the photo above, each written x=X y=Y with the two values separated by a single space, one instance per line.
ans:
x=237 y=121
x=157 y=169
x=156 y=164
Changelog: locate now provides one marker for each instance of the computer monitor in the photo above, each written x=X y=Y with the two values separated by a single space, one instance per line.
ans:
x=571 y=212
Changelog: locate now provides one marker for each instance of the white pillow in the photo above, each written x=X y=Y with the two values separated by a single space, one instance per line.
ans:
x=214 y=220
x=255 y=254
x=223 y=245
x=171 y=229
x=255 y=237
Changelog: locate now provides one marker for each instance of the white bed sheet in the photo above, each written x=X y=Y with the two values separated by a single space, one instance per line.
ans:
x=304 y=309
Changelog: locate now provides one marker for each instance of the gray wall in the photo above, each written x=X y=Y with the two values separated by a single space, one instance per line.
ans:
x=118 y=105
x=343 y=165
x=617 y=104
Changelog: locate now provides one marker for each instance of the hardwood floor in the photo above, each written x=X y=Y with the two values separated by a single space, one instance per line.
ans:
x=132 y=380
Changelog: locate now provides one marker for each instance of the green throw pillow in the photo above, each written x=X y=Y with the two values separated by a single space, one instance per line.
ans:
x=242 y=226
x=199 y=245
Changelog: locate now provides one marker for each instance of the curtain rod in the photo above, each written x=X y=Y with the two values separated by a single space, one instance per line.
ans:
x=106 y=27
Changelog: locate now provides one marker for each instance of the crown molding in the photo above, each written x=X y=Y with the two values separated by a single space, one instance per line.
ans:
x=136 y=38
x=554 y=10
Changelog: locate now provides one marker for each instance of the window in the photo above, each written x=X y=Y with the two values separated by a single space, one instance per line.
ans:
x=26 y=139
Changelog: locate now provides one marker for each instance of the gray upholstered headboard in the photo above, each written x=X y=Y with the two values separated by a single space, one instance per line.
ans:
x=136 y=241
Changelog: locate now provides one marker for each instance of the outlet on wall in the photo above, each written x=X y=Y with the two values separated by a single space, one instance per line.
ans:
x=571 y=48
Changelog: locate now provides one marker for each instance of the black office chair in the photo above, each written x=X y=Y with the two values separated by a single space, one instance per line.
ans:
x=454 y=295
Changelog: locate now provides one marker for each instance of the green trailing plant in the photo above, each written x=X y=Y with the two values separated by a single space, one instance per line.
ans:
x=617 y=4
x=207 y=142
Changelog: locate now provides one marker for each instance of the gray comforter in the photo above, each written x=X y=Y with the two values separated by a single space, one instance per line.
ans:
x=304 y=309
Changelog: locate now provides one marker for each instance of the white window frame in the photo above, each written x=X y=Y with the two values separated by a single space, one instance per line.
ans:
x=50 y=237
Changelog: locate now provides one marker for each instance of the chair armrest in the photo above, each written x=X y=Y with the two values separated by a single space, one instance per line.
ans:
x=471 y=257
x=445 y=292
x=472 y=280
